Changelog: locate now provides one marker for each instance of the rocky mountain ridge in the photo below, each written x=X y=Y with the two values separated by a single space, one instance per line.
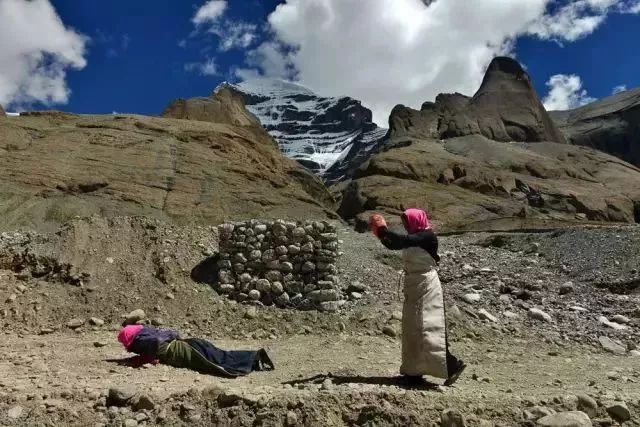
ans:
x=610 y=124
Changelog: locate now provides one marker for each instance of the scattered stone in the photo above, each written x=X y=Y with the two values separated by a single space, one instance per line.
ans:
x=22 y=289
x=566 y=419
x=75 y=323
x=537 y=314
x=12 y=298
x=251 y=313
x=99 y=344
x=120 y=397
x=254 y=294
x=567 y=288
x=292 y=419
x=130 y=422
x=15 y=412
x=612 y=347
x=588 y=405
x=452 y=418
x=471 y=298
x=135 y=316
x=510 y=315
x=619 y=411
x=170 y=296
x=143 y=402
x=390 y=331
x=396 y=315
x=96 y=322
x=355 y=295
x=578 y=309
x=618 y=318
x=357 y=287
x=610 y=324
x=485 y=315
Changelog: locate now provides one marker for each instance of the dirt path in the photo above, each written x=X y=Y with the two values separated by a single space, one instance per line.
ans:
x=60 y=378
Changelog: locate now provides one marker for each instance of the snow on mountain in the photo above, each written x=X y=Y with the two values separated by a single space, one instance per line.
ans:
x=319 y=132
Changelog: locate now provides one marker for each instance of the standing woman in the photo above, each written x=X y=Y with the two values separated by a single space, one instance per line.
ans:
x=425 y=349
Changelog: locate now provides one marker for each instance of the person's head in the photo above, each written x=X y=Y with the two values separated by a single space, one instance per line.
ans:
x=415 y=220
x=128 y=334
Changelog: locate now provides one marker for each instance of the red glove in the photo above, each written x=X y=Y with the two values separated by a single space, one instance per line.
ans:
x=376 y=222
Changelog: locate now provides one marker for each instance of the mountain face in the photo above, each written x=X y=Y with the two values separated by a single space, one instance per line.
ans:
x=322 y=133
x=54 y=166
x=611 y=125
x=495 y=159
x=505 y=108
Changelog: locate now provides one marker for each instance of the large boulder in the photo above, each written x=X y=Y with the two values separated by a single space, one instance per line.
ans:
x=505 y=108
x=611 y=125
x=56 y=166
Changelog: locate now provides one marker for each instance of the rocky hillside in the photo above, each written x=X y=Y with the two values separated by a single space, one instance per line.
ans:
x=322 y=133
x=495 y=158
x=611 y=125
x=55 y=166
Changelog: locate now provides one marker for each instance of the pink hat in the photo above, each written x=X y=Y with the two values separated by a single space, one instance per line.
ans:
x=128 y=334
x=417 y=220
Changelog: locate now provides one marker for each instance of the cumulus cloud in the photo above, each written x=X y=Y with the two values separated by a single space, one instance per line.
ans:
x=619 y=89
x=209 y=12
x=411 y=50
x=36 y=50
x=231 y=34
x=565 y=93
x=206 y=68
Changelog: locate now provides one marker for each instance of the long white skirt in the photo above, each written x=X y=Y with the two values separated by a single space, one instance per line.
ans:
x=424 y=341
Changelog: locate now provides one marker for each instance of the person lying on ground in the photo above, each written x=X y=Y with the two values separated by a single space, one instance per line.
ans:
x=166 y=346
x=425 y=348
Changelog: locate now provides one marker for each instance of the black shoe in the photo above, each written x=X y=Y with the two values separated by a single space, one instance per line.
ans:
x=453 y=377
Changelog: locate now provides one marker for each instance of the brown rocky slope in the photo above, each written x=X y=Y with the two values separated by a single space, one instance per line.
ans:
x=55 y=166
x=473 y=178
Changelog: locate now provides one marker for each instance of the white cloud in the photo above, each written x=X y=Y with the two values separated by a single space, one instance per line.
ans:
x=412 y=51
x=210 y=12
x=565 y=93
x=36 y=50
x=206 y=68
x=619 y=89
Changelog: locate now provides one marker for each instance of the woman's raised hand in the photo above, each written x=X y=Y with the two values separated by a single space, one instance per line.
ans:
x=376 y=222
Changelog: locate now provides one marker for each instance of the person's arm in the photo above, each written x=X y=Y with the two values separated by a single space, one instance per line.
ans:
x=397 y=241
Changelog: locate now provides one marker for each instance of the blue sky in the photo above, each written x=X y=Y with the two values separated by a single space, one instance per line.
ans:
x=136 y=54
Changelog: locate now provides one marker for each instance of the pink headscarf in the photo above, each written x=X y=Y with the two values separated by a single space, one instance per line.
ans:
x=128 y=334
x=417 y=220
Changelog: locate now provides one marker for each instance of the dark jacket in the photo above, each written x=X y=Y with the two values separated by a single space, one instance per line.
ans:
x=148 y=340
x=426 y=240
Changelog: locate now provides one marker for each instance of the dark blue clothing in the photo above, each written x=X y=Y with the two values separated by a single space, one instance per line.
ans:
x=238 y=362
x=148 y=339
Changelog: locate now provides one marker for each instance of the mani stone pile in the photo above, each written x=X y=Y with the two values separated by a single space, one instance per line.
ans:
x=284 y=263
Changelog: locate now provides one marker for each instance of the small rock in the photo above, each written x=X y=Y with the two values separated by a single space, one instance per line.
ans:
x=396 y=315
x=452 y=418
x=357 y=287
x=251 y=313
x=120 y=397
x=536 y=313
x=588 y=405
x=130 y=422
x=510 y=315
x=254 y=294
x=390 y=331
x=327 y=384
x=355 y=295
x=612 y=347
x=135 y=316
x=610 y=324
x=471 y=298
x=292 y=419
x=99 y=344
x=170 y=296
x=566 y=419
x=96 y=322
x=619 y=412
x=110 y=260
x=75 y=323
x=618 y=318
x=566 y=288
x=485 y=315
x=143 y=402
x=22 y=289
x=578 y=309
x=15 y=412
x=12 y=298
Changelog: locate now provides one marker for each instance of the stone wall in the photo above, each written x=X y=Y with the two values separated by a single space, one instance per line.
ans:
x=284 y=263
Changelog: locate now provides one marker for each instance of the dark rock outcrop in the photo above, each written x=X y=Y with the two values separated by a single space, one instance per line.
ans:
x=505 y=108
x=611 y=125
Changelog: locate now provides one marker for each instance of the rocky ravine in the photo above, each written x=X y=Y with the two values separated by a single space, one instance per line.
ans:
x=55 y=166
x=490 y=160
x=611 y=125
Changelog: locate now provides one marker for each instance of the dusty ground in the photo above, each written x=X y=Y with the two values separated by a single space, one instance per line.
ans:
x=339 y=367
